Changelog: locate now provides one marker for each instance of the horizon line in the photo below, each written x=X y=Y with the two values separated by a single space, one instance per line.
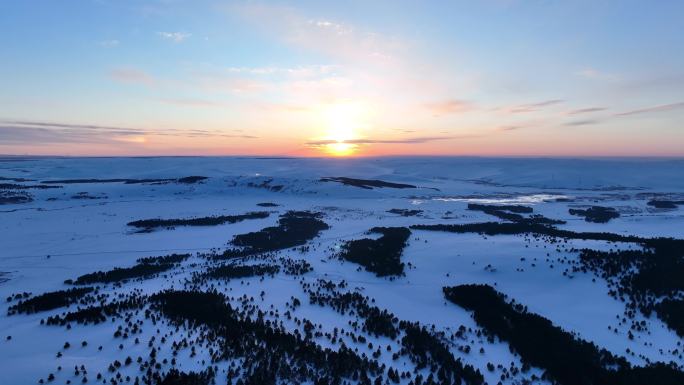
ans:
x=276 y=156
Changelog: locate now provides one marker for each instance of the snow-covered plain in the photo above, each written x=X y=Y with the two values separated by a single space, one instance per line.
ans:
x=80 y=228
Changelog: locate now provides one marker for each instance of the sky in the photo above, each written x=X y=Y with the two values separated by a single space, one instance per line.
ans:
x=343 y=78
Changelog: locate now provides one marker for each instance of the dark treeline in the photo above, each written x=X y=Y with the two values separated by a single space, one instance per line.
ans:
x=184 y=180
x=98 y=313
x=295 y=228
x=596 y=214
x=172 y=258
x=381 y=256
x=269 y=354
x=664 y=204
x=141 y=270
x=566 y=359
x=267 y=204
x=49 y=301
x=4 y=178
x=496 y=228
x=241 y=271
x=366 y=183
x=191 y=179
x=13 y=197
x=405 y=212
x=519 y=209
x=145 y=268
x=512 y=213
x=115 y=180
x=215 y=220
x=175 y=377
x=12 y=186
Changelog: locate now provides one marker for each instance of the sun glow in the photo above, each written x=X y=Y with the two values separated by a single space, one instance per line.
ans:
x=340 y=148
x=342 y=121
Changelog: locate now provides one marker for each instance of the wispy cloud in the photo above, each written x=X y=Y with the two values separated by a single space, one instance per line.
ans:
x=176 y=37
x=586 y=110
x=380 y=68
x=34 y=132
x=585 y=122
x=510 y=128
x=658 y=108
x=534 y=106
x=36 y=135
x=68 y=125
x=333 y=38
x=414 y=140
x=203 y=134
x=449 y=107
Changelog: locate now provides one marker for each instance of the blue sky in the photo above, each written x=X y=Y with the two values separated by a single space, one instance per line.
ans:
x=492 y=77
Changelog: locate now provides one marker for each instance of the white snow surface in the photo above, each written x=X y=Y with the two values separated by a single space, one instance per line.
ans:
x=85 y=235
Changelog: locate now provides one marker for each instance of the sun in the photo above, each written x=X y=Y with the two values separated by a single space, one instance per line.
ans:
x=340 y=148
x=342 y=121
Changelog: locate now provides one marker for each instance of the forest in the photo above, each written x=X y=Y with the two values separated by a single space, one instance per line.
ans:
x=596 y=214
x=381 y=256
x=566 y=359
x=513 y=213
x=183 y=180
x=49 y=301
x=268 y=352
x=295 y=228
x=150 y=224
x=664 y=204
x=367 y=184
x=145 y=268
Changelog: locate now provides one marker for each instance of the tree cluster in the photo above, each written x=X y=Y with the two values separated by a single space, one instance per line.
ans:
x=146 y=268
x=149 y=224
x=295 y=228
x=664 y=204
x=427 y=350
x=269 y=354
x=183 y=180
x=381 y=256
x=230 y=271
x=512 y=213
x=97 y=314
x=596 y=214
x=405 y=212
x=367 y=184
x=565 y=358
x=50 y=300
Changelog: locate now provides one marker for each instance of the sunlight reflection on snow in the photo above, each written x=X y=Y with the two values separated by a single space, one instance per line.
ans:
x=534 y=198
